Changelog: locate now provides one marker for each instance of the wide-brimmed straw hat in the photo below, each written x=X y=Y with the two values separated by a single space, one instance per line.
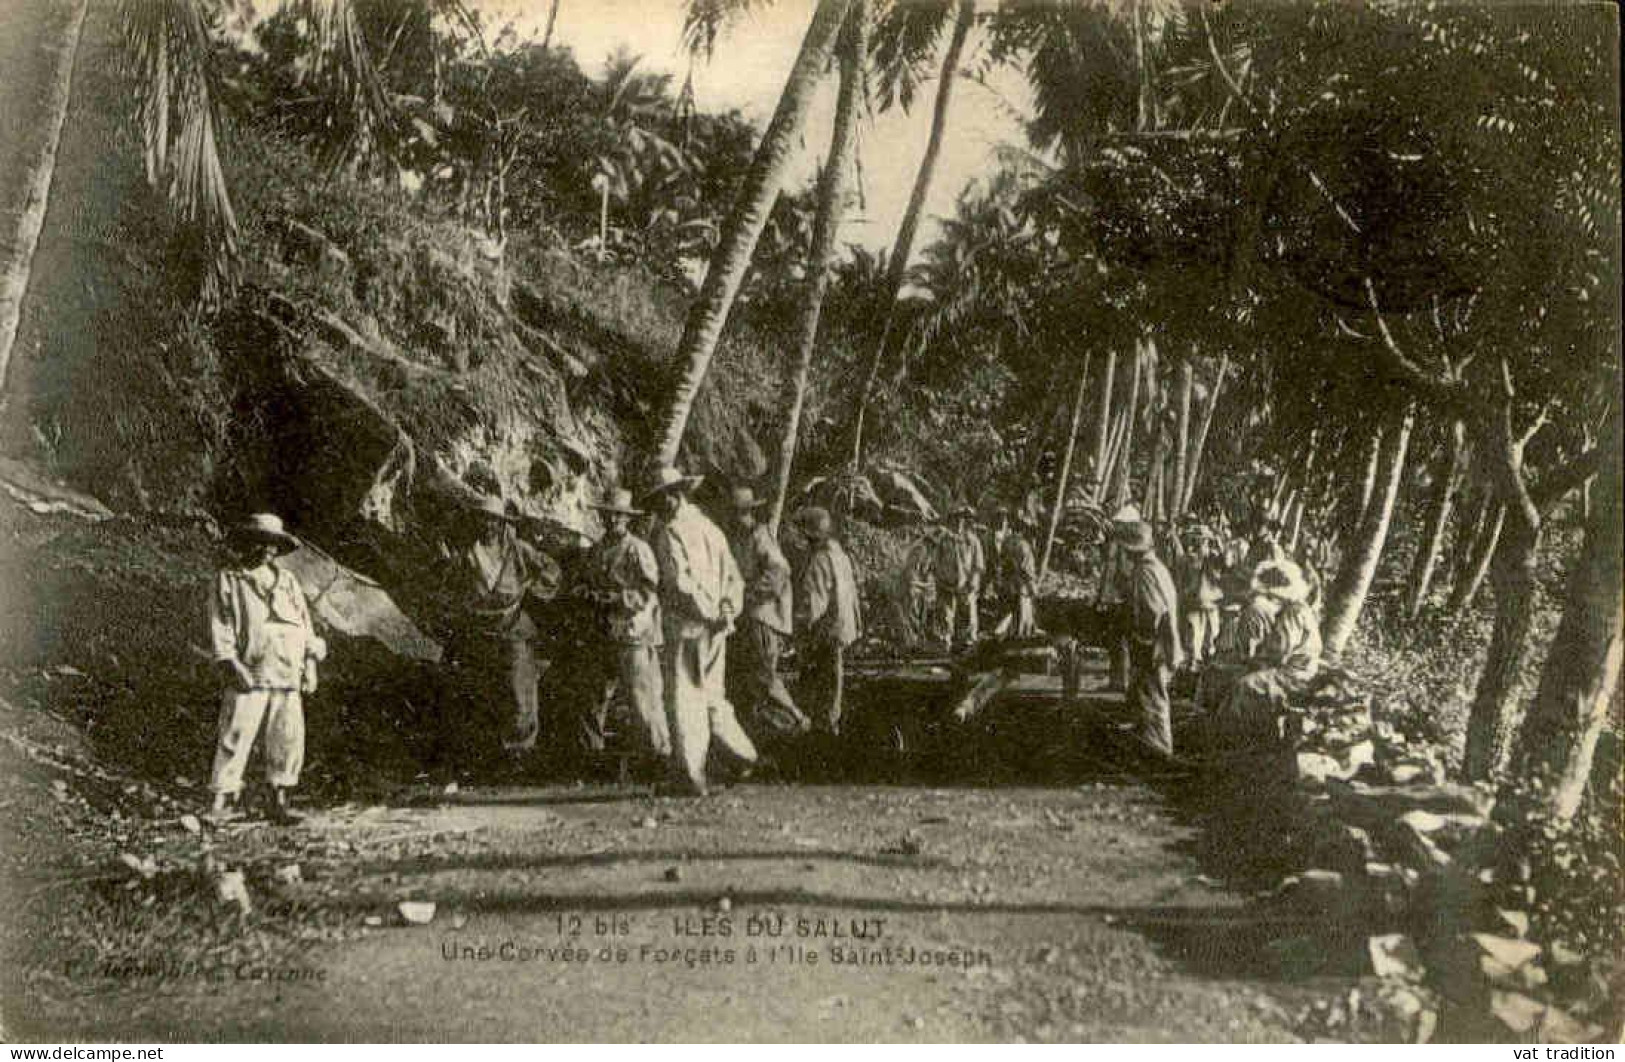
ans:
x=1135 y=537
x=265 y=527
x=815 y=521
x=1127 y=514
x=744 y=498
x=1281 y=580
x=618 y=501
x=668 y=478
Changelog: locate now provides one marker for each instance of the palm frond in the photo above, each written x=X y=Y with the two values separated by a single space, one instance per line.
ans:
x=362 y=118
x=903 y=48
x=705 y=21
x=169 y=54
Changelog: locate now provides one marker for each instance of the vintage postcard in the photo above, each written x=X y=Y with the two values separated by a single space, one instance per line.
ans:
x=861 y=521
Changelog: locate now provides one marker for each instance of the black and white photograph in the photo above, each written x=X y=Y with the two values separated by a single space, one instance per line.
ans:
x=811 y=521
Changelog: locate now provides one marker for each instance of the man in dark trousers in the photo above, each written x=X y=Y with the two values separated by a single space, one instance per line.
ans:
x=756 y=688
x=828 y=618
x=490 y=655
x=1155 y=651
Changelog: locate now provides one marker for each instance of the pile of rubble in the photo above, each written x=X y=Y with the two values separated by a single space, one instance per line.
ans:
x=1396 y=857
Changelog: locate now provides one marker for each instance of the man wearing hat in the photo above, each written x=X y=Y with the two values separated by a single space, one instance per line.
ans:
x=701 y=592
x=828 y=615
x=959 y=563
x=1018 y=574
x=754 y=677
x=623 y=579
x=1199 y=573
x=490 y=652
x=1288 y=660
x=1154 y=646
x=266 y=651
x=1112 y=593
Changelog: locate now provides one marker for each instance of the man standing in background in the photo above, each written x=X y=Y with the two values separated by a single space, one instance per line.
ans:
x=765 y=624
x=960 y=563
x=828 y=617
x=1154 y=646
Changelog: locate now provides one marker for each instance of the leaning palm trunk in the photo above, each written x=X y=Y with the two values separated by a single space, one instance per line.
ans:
x=820 y=252
x=22 y=238
x=750 y=212
x=1182 y=435
x=1368 y=481
x=1348 y=593
x=1125 y=457
x=1061 y=480
x=1558 y=738
x=903 y=246
x=1444 y=497
x=1188 y=488
x=1103 y=430
x=1477 y=566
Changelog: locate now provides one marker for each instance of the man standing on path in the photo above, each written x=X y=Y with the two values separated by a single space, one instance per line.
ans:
x=1154 y=646
x=701 y=592
x=266 y=649
x=828 y=617
x=623 y=581
x=754 y=680
x=960 y=564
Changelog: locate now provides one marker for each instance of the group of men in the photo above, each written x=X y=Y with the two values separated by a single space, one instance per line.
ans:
x=652 y=620
x=945 y=572
x=1239 y=613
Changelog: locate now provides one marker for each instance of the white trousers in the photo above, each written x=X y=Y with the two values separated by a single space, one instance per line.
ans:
x=241 y=713
x=697 y=704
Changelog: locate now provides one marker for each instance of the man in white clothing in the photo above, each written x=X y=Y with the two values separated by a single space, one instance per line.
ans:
x=701 y=593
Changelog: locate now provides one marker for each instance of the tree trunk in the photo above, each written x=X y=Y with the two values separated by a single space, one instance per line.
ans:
x=1559 y=734
x=744 y=227
x=552 y=19
x=1114 y=450
x=1125 y=458
x=1444 y=496
x=903 y=246
x=1512 y=573
x=1182 y=435
x=1348 y=593
x=1061 y=480
x=1103 y=430
x=1153 y=466
x=821 y=247
x=1468 y=533
x=1368 y=482
x=28 y=199
x=1478 y=564
x=1200 y=444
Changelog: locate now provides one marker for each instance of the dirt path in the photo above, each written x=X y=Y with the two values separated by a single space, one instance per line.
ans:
x=1049 y=914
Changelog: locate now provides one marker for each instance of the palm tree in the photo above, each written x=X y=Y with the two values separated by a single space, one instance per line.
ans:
x=750 y=212
x=908 y=33
x=34 y=193
x=821 y=247
x=169 y=49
